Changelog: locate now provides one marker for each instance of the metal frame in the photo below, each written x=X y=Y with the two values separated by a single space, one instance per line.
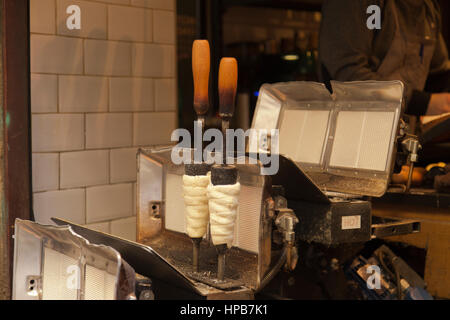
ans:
x=64 y=240
x=368 y=96
x=313 y=105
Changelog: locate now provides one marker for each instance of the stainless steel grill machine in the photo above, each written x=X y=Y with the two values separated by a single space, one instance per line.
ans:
x=336 y=150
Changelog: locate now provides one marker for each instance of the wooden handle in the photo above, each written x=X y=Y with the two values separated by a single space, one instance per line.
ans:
x=228 y=76
x=200 y=70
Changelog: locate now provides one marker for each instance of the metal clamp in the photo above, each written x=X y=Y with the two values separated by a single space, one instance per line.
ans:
x=285 y=222
x=411 y=145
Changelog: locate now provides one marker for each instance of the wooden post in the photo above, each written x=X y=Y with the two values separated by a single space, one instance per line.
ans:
x=15 y=124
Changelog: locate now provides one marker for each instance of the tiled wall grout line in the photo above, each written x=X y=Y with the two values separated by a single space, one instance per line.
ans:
x=132 y=42
x=103 y=76
x=100 y=112
x=98 y=149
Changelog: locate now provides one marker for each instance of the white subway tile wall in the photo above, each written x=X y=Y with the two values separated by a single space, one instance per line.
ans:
x=131 y=94
x=165 y=100
x=83 y=94
x=84 y=168
x=45 y=171
x=110 y=58
x=156 y=4
x=102 y=227
x=153 y=60
x=42 y=16
x=56 y=55
x=109 y=202
x=67 y=204
x=123 y=165
x=124 y=228
x=108 y=130
x=57 y=132
x=93 y=22
x=164 y=25
x=145 y=124
x=44 y=93
x=97 y=94
x=130 y=24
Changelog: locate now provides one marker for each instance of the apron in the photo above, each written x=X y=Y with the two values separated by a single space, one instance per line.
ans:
x=409 y=57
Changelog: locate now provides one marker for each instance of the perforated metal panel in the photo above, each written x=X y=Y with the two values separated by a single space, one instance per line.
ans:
x=303 y=134
x=100 y=285
x=345 y=140
x=59 y=282
x=248 y=219
x=369 y=150
x=50 y=264
x=175 y=219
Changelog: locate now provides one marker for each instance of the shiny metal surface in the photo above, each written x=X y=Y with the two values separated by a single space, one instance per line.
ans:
x=160 y=180
x=320 y=130
x=48 y=258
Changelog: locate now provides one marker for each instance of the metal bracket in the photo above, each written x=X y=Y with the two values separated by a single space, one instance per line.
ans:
x=411 y=145
x=285 y=221
x=33 y=286
x=155 y=209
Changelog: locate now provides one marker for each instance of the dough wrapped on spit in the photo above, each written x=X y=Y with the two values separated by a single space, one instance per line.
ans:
x=223 y=206
x=196 y=204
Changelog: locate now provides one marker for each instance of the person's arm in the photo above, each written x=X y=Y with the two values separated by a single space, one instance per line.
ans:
x=346 y=46
x=418 y=103
x=439 y=103
x=345 y=40
x=440 y=62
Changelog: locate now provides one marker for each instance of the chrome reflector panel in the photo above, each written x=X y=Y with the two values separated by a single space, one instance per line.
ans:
x=55 y=263
x=344 y=141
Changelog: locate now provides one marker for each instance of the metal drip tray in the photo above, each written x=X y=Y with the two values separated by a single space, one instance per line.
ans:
x=176 y=248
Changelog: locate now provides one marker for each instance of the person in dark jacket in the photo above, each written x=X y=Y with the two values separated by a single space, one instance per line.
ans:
x=409 y=47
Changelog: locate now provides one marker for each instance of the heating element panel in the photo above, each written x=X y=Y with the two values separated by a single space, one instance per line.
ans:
x=100 y=285
x=303 y=134
x=370 y=150
x=248 y=218
x=50 y=264
x=59 y=281
x=343 y=138
x=174 y=216
x=375 y=140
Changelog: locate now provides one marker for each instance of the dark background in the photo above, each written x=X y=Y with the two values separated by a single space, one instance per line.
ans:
x=203 y=19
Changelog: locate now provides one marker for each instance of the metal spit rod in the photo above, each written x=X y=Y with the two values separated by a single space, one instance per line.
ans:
x=200 y=71
x=225 y=174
